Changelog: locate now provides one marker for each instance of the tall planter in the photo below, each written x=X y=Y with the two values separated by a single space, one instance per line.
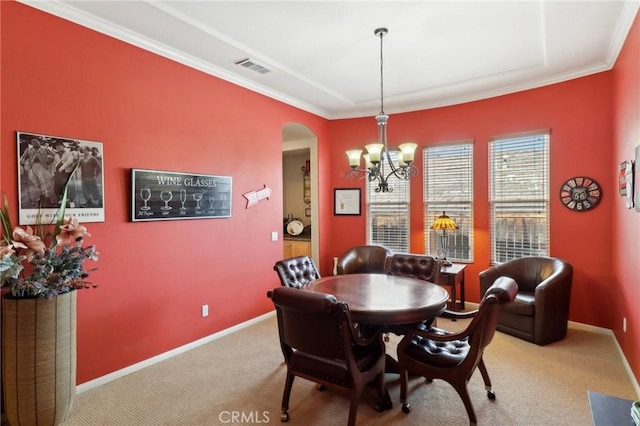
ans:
x=39 y=358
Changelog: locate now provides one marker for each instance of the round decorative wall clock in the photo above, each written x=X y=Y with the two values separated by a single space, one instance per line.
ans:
x=580 y=193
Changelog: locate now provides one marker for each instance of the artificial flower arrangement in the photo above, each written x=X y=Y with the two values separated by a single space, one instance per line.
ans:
x=46 y=261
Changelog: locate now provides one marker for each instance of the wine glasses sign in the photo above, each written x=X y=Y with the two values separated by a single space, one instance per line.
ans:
x=159 y=195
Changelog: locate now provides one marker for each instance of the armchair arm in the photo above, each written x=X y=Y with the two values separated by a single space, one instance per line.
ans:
x=552 y=297
x=447 y=314
x=488 y=277
x=411 y=332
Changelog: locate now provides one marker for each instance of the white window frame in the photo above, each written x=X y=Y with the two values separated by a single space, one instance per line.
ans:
x=388 y=214
x=448 y=187
x=519 y=196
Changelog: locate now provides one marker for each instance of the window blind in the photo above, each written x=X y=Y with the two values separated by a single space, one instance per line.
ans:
x=519 y=196
x=448 y=187
x=388 y=214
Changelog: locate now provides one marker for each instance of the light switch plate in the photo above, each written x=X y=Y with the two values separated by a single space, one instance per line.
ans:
x=274 y=236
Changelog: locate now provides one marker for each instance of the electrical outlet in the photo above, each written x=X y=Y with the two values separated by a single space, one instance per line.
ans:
x=205 y=311
x=624 y=324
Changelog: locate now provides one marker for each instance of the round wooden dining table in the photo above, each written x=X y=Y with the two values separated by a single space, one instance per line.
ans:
x=380 y=299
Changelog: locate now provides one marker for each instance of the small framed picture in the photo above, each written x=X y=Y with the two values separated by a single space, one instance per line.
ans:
x=346 y=201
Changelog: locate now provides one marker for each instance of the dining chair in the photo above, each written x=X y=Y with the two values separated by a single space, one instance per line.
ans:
x=296 y=272
x=319 y=344
x=366 y=259
x=419 y=266
x=453 y=357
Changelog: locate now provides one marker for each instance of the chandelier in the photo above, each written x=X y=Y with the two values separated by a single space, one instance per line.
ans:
x=378 y=163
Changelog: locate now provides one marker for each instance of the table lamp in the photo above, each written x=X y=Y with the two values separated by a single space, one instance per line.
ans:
x=444 y=223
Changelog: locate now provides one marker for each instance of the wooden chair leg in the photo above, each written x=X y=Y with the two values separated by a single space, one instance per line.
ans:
x=288 y=385
x=485 y=374
x=355 y=401
x=461 y=388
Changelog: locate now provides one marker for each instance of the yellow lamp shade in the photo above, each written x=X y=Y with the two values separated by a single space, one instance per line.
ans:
x=444 y=223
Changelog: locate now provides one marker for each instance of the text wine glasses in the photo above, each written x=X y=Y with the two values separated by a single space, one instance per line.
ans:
x=145 y=194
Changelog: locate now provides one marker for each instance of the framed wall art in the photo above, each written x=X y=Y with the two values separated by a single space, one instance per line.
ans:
x=636 y=180
x=161 y=195
x=346 y=201
x=625 y=182
x=45 y=164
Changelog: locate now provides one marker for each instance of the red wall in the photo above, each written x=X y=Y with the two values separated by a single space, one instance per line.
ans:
x=61 y=79
x=578 y=113
x=150 y=112
x=625 y=282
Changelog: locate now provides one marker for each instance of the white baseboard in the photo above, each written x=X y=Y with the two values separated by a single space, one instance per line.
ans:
x=610 y=332
x=140 y=365
x=177 y=351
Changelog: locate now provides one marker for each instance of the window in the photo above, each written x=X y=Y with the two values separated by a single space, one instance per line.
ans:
x=448 y=187
x=388 y=214
x=519 y=196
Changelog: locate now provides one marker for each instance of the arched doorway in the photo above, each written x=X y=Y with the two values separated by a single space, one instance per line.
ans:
x=298 y=142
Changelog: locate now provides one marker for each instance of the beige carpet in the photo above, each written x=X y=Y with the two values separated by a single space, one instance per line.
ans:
x=242 y=375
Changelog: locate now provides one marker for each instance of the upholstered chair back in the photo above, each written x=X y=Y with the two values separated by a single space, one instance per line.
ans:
x=410 y=265
x=363 y=260
x=296 y=272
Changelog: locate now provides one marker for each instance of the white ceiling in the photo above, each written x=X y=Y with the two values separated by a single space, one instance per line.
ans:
x=324 y=58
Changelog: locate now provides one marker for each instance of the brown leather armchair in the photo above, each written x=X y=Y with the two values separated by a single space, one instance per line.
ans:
x=540 y=311
x=453 y=357
x=363 y=259
x=319 y=343
x=296 y=272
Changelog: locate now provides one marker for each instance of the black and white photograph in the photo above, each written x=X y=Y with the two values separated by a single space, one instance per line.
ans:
x=45 y=164
x=162 y=195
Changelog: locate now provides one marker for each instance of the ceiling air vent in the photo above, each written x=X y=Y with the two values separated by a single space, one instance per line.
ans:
x=248 y=63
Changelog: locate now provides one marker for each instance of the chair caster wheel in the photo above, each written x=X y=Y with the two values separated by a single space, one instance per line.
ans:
x=320 y=388
x=284 y=417
x=406 y=408
x=429 y=380
x=491 y=395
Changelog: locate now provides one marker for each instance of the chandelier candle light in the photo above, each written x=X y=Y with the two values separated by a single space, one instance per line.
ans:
x=444 y=223
x=378 y=153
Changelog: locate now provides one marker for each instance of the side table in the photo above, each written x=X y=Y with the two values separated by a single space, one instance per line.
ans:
x=452 y=276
